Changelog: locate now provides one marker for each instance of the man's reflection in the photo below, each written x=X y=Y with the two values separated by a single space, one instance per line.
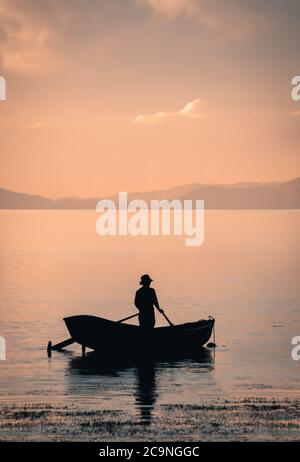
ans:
x=145 y=391
x=145 y=370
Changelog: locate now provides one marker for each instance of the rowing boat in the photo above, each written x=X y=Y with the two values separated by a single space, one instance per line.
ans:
x=104 y=335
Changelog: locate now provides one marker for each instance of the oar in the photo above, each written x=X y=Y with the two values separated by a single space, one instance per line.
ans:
x=129 y=317
x=166 y=317
x=59 y=346
x=134 y=315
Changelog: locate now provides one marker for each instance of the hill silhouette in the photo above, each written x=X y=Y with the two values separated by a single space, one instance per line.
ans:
x=276 y=195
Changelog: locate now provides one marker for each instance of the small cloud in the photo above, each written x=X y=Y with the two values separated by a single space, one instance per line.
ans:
x=192 y=110
x=230 y=19
x=263 y=114
x=37 y=124
x=172 y=8
x=295 y=113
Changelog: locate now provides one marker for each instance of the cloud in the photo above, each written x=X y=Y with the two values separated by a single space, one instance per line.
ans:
x=24 y=41
x=195 y=9
x=230 y=19
x=192 y=110
x=38 y=36
x=263 y=114
x=295 y=113
x=173 y=8
x=38 y=124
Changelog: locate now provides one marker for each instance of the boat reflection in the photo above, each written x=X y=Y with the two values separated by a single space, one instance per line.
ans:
x=146 y=370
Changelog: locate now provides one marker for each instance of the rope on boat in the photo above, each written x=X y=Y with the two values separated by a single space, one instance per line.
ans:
x=213 y=344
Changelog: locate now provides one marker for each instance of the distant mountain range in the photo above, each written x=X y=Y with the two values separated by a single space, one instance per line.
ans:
x=277 y=195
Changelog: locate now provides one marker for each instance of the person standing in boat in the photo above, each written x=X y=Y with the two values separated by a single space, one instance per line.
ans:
x=145 y=301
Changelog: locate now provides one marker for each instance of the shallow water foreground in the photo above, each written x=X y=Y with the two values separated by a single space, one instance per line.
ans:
x=148 y=401
x=254 y=419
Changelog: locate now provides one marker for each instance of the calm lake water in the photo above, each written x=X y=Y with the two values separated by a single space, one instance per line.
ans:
x=246 y=275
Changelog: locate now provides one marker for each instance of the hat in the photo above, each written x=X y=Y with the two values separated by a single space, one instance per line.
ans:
x=144 y=279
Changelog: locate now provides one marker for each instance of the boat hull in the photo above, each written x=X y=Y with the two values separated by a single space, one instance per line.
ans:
x=103 y=335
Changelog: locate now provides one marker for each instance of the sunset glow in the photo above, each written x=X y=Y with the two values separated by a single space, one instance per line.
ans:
x=146 y=94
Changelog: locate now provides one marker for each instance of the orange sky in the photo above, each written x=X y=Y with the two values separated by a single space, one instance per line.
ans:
x=98 y=93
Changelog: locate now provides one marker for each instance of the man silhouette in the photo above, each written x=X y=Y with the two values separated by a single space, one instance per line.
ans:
x=145 y=301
